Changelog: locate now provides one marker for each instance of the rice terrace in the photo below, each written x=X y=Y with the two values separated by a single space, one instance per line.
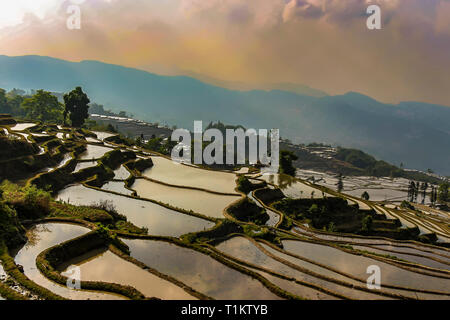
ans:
x=224 y=159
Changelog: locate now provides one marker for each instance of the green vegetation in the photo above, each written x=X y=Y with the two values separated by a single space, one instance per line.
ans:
x=248 y=211
x=286 y=158
x=95 y=126
x=42 y=106
x=244 y=185
x=76 y=107
x=215 y=235
x=443 y=192
x=11 y=231
x=367 y=223
x=326 y=213
x=372 y=167
x=29 y=201
x=160 y=145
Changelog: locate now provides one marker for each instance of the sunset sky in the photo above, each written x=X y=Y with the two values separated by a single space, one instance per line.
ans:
x=323 y=44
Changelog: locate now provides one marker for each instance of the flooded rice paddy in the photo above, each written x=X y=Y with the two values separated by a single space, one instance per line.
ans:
x=158 y=219
x=170 y=172
x=42 y=237
x=208 y=204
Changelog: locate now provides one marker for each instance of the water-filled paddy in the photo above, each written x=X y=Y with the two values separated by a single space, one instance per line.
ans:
x=42 y=237
x=103 y=135
x=379 y=194
x=67 y=157
x=243 y=249
x=94 y=152
x=357 y=266
x=117 y=186
x=83 y=165
x=170 y=172
x=274 y=217
x=292 y=188
x=121 y=173
x=93 y=140
x=158 y=219
x=108 y=267
x=202 y=202
x=22 y=126
x=199 y=271
x=408 y=257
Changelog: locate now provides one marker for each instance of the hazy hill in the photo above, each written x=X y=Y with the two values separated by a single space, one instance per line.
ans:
x=416 y=134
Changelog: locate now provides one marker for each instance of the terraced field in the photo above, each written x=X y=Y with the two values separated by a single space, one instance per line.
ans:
x=173 y=231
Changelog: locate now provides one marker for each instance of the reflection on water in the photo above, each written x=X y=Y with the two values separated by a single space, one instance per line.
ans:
x=117 y=186
x=94 y=152
x=379 y=194
x=274 y=218
x=197 y=270
x=168 y=171
x=103 y=135
x=108 y=267
x=67 y=157
x=293 y=188
x=159 y=220
x=22 y=126
x=243 y=249
x=420 y=260
x=357 y=266
x=202 y=202
x=42 y=237
x=121 y=173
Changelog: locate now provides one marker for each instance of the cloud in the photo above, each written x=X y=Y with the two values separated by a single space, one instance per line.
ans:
x=319 y=43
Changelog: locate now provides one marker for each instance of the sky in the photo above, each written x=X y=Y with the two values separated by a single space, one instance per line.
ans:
x=324 y=44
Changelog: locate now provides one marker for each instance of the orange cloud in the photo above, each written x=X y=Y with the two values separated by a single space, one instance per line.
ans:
x=320 y=43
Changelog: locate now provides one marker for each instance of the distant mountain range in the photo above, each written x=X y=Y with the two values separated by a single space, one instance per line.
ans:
x=417 y=134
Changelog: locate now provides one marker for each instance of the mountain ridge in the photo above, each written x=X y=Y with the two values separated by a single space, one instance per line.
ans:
x=414 y=133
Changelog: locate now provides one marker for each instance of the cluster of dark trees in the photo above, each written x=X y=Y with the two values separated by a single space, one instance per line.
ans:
x=44 y=106
x=286 y=158
x=440 y=193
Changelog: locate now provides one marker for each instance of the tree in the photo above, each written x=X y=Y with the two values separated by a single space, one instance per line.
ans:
x=433 y=196
x=424 y=187
x=42 y=106
x=367 y=222
x=443 y=192
x=365 y=196
x=340 y=183
x=286 y=158
x=76 y=106
x=412 y=191
x=4 y=107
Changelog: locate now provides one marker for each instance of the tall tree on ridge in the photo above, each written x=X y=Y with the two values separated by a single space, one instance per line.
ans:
x=76 y=106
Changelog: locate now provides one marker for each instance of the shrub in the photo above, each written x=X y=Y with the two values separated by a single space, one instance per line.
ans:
x=367 y=222
x=29 y=201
